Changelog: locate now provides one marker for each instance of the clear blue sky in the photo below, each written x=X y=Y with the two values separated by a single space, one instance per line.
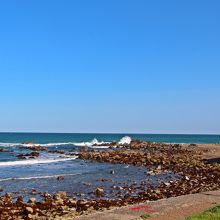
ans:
x=110 y=66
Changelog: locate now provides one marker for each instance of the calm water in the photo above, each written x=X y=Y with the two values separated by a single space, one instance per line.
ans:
x=80 y=176
x=44 y=138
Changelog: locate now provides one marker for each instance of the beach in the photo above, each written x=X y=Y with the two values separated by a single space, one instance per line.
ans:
x=63 y=180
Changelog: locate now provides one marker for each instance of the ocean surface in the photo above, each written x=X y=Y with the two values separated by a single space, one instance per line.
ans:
x=80 y=177
x=46 y=138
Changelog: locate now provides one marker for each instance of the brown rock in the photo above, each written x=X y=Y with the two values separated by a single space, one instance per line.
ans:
x=84 y=149
x=60 y=178
x=61 y=194
x=32 y=200
x=29 y=210
x=99 y=192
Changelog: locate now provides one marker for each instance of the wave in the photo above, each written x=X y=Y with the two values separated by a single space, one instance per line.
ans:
x=9 y=144
x=124 y=140
x=80 y=144
x=35 y=161
x=39 y=177
x=35 y=145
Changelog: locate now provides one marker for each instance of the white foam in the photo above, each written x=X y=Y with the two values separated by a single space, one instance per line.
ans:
x=38 y=177
x=9 y=144
x=100 y=146
x=125 y=140
x=34 y=161
x=91 y=143
x=80 y=144
x=35 y=145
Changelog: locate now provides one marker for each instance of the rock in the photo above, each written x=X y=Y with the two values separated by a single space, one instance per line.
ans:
x=33 y=154
x=19 y=200
x=4 y=150
x=32 y=200
x=72 y=202
x=57 y=151
x=112 y=172
x=61 y=194
x=186 y=177
x=30 y=216
x=82 y=205
x=167 y=184
x=99 y=192
x=119 y=188
x=29 y=210
x=60 y=178
x=150 y=173
x=8 y=195
x=59 y=201
x=83 y=149
x=33 y=192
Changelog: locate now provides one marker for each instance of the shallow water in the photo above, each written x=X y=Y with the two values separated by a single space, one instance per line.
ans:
x=80 y=177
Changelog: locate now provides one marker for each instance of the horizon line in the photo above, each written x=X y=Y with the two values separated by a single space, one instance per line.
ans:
x=123 y=133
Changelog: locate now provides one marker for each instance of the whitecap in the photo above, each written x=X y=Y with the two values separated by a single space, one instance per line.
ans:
x=35 y=161
x=38 y=177
x=125 y=140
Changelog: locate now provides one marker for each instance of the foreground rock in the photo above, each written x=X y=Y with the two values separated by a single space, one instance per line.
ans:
x=33 y=154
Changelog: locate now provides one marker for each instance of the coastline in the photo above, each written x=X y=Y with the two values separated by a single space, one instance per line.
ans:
x=186 y=160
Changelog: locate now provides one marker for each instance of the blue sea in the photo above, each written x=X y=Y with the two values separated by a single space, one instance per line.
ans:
x=45 y=138
x=24 y=175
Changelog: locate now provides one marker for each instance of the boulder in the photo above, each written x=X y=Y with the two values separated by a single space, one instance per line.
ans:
x=32 y=200
x=60 y=178
x=99 y=192
x=29 y=210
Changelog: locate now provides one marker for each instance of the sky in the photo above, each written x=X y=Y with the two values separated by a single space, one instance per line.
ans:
x=125 y=66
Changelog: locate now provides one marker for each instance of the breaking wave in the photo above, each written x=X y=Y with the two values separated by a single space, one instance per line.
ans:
x=124 y=140
x=38 y=177
x=80 y=144
x=34 y=161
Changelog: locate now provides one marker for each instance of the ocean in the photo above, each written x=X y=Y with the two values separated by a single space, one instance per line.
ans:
x=19 y=175
x=47 y=138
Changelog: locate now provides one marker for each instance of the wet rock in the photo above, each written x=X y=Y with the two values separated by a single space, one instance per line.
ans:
x=57 y=151
x=33 y=192
x=150 y=173
x=112 y=172
x=60 y=178
x=32 y=200
x=5 y=150
x=84 y=149
x=34 y=148
x=33 y=154
x=99 y=192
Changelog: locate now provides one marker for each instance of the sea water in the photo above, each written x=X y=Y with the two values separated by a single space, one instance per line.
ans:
x=22 y=175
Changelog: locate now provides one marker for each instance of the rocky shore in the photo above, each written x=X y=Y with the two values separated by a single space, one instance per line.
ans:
x=185 y=161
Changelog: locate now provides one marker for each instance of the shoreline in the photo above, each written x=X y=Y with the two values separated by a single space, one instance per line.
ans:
x=195 y=176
